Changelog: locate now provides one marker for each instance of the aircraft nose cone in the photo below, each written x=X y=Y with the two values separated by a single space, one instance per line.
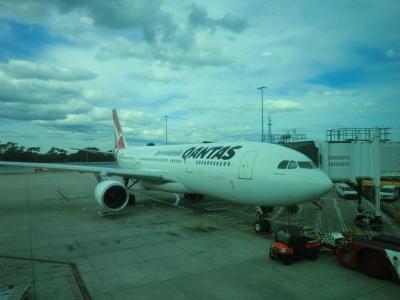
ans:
x=323 y=185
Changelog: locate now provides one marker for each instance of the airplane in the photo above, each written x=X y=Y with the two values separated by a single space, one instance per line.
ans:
x=251 y=173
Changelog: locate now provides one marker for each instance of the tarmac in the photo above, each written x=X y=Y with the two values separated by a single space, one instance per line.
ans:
x=53 y=239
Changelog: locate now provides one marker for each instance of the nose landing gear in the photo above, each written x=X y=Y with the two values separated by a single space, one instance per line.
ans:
x=262 y=224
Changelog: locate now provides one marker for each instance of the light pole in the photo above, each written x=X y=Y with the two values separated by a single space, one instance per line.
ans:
x=166 y=129
x=261 y=88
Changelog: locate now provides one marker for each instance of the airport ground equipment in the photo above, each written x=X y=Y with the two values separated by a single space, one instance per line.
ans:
x=328 y=240
x=377 y=257
x=389 y=192
x=368 y=220
x=291 y=243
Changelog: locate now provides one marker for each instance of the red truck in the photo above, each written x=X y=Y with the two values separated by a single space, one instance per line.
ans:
x=378 y=256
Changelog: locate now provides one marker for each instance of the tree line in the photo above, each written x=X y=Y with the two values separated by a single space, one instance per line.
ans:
x=13 y=152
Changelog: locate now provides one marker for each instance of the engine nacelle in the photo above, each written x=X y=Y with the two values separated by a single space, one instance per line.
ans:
x=111 y=195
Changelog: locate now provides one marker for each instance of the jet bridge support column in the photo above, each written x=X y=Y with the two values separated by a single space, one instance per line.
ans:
x=376 y=161
x=368 y=219
x=359 y=194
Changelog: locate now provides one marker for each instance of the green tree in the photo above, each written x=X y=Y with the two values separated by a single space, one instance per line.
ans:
x=57 y=155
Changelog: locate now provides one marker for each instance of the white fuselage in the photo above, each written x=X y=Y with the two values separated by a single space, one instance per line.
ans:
x=245 y=172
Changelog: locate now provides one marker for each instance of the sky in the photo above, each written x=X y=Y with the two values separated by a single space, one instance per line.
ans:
x=64 y=64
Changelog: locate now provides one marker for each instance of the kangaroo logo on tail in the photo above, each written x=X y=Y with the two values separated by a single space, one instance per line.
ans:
x=119 y=138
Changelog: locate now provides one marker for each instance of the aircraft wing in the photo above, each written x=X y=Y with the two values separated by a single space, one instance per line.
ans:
x=140 y=174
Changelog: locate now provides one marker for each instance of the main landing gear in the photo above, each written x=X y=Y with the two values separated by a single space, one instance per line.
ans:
x=193 y=197
x=127 y=180
x=262 y=224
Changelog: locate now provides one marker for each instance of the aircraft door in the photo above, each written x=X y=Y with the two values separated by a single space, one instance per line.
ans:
x=247 y=164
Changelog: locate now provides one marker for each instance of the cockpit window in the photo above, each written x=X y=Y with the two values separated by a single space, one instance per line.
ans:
x=305 y=164
x=283 y=164
x=292 y=165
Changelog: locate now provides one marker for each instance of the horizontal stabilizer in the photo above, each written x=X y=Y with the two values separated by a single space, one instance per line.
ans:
x=93 y=151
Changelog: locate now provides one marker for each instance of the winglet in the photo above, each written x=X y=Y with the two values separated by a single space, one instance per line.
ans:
x=119 y=138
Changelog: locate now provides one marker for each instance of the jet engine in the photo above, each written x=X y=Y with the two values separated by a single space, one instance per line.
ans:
x=111 y=195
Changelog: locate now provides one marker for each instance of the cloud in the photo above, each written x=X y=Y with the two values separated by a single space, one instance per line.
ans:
x=69 y=120
x=200 y=54
x=266 y=53
x=346 y=93
x=199 y=18
x=98 y=119
x=214 y=53
x=36 y=91
x=87 y=20
x=148 y=17
x=146 y=30
x=22 y=69
x=42 y=111
x=159 y=72
x=392 y=53
x=364 y=104
x=278 y=106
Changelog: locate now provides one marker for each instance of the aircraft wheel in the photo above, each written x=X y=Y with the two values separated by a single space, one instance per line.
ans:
x=258 y=227
x=262 y=226
x=375 y=265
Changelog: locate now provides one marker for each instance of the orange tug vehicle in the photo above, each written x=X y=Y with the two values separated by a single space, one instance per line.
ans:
x=290 y=244
x=377 y=257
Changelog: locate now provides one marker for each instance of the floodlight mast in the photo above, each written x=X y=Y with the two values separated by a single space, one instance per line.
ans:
x=166 y=129
x=261 y=88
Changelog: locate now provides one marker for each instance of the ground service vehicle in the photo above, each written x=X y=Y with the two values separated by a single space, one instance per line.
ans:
x=378 y=257
x=367 y=220
x=290 y=243
x=344 y=191
x=389 y=192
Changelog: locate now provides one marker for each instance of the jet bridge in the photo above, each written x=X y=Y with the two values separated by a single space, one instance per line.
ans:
x=351 y=153
x=354 y=154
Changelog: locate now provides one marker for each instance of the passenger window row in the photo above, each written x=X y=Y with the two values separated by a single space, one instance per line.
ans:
x=213 y=163
x=176 y=161
x=286 y=164
x=153 y=159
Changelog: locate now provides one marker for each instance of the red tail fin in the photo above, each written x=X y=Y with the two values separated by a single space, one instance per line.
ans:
x=119 y=138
